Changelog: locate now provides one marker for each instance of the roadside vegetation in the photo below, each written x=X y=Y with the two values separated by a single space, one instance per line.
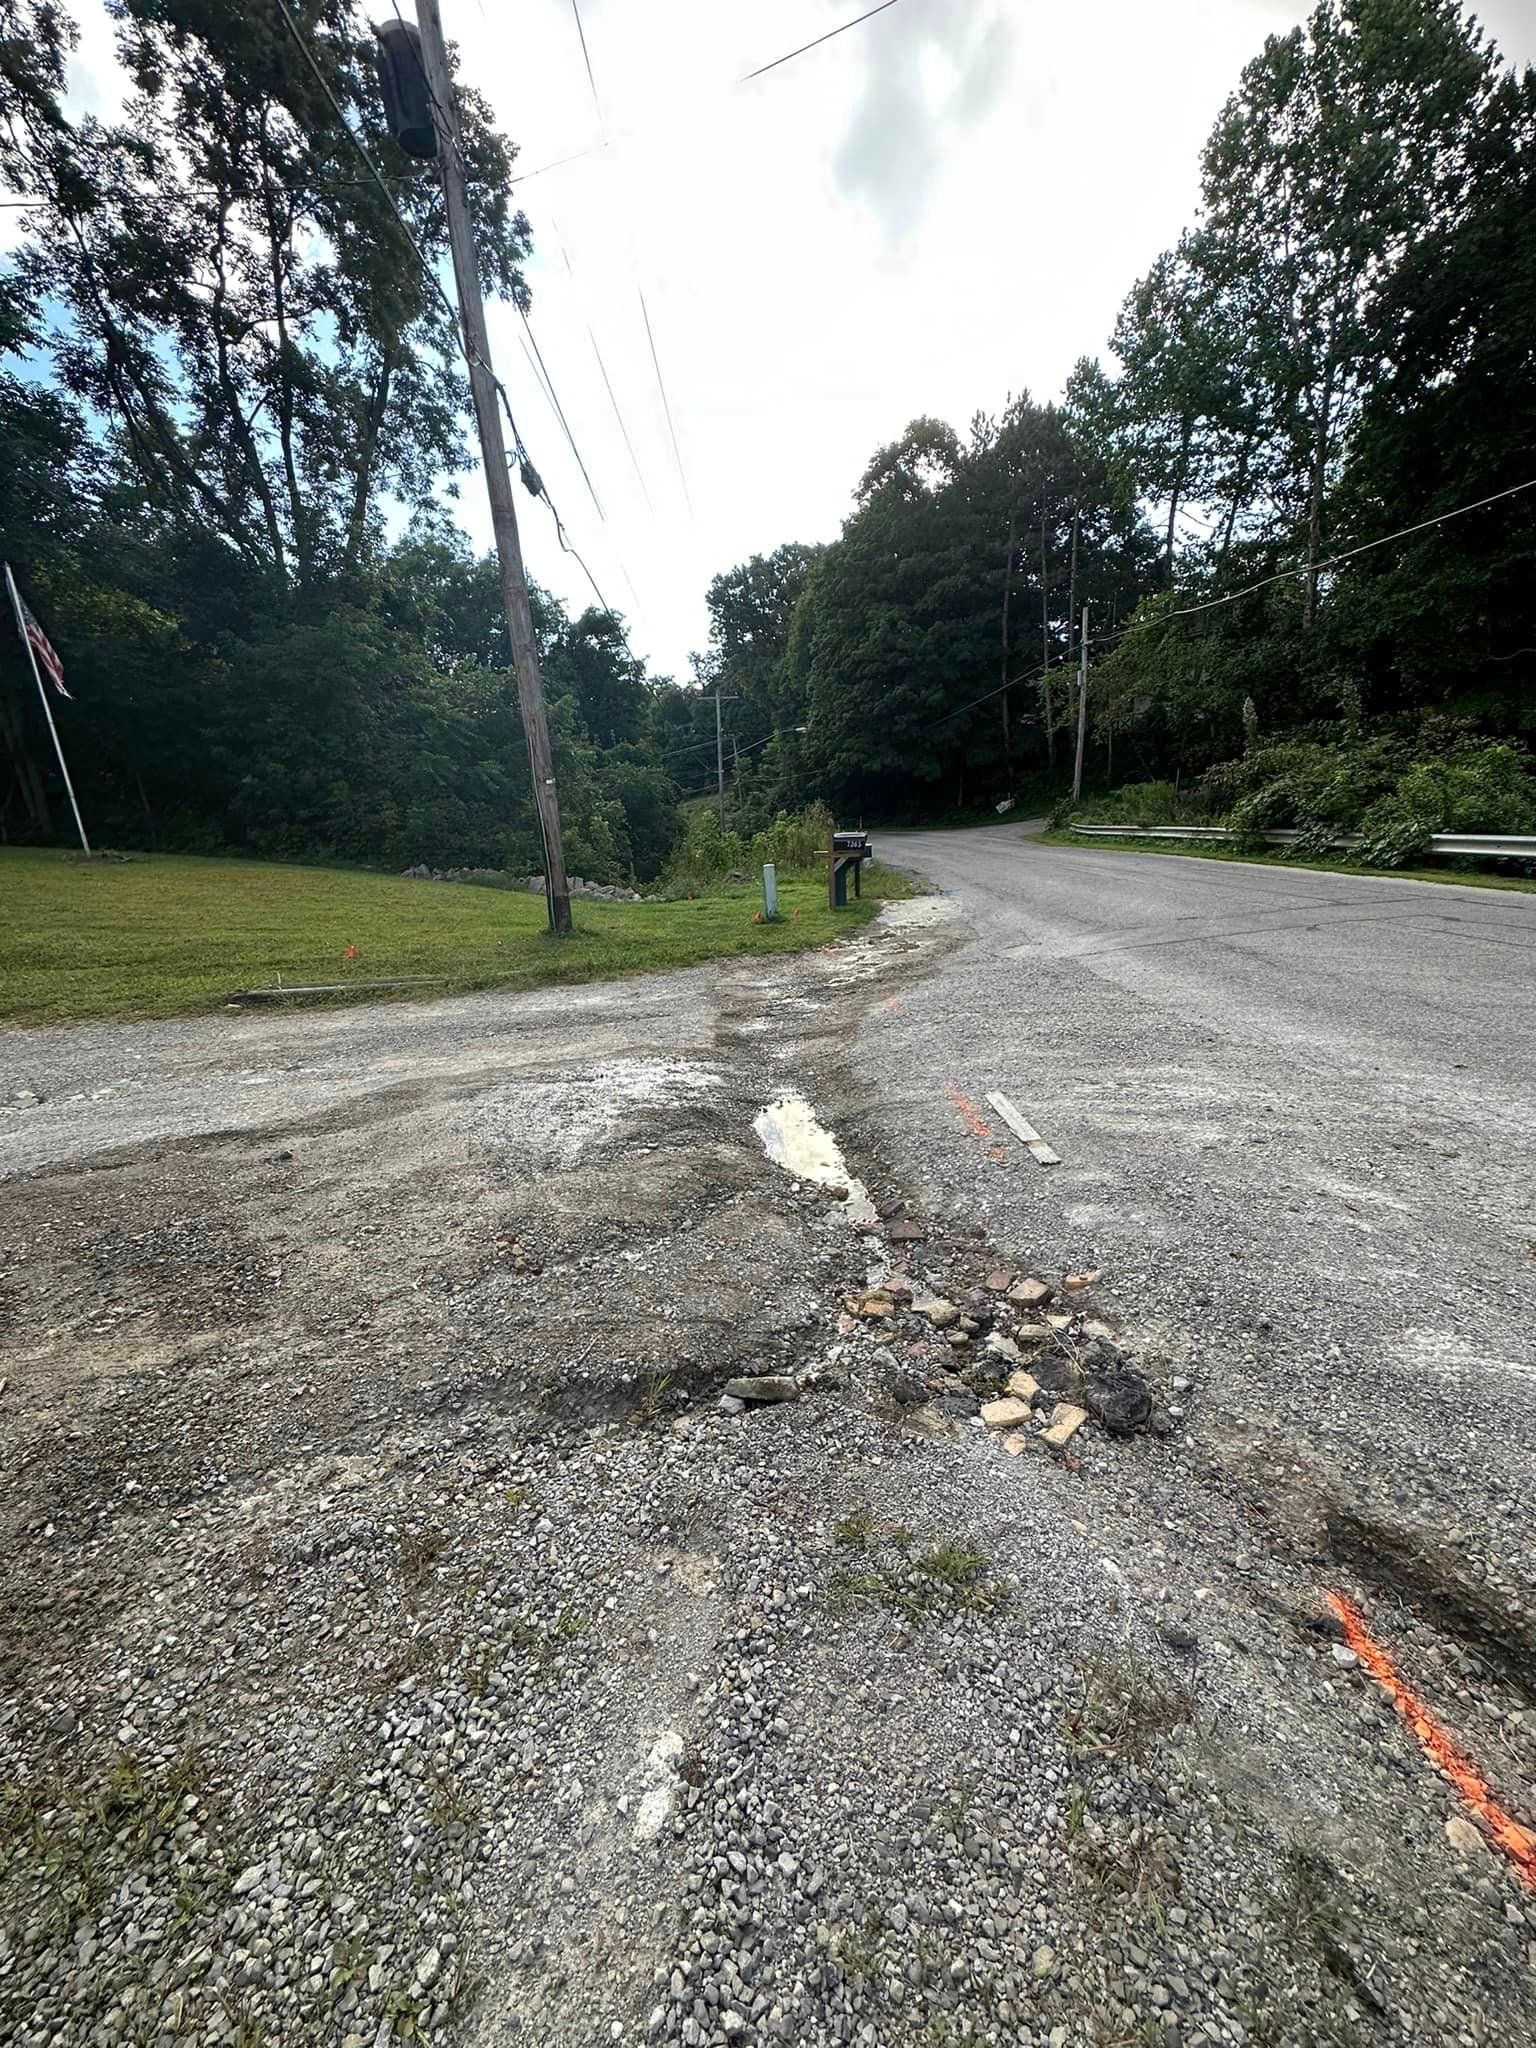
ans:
x=1389 y=792
x=279 y=645
x=159 y=936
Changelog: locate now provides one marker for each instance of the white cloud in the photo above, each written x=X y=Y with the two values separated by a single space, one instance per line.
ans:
x=944 y=205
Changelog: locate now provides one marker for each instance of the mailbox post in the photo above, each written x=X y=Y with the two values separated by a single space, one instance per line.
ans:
x=845 y=851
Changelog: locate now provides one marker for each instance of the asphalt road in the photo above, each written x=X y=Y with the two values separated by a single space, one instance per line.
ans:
x=1297 y=1120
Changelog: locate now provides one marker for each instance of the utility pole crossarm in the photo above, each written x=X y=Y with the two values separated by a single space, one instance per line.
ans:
x=493 y=454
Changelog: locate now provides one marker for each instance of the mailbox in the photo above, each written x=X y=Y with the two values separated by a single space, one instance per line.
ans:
x=845 y=851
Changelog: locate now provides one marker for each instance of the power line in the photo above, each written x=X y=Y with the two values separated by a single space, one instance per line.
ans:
x=559 y=409
x=666 y=407
x=587 y=60
x=624 y=430
x=729 y=85
x=565 y=257
x=1304 y=568
x=526 y=470
x=1210 y=604
x=790 y=56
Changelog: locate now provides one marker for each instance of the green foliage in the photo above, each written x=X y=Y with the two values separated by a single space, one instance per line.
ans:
x=1393 y=788
x=796 y=845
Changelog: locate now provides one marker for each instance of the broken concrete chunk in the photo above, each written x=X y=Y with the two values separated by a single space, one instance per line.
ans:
x=767 y=1386
x=1074 y=1283
x=1005 y=1348
x=1065 y=1422
x=1005 y=1414
x=906 y=1233
x=1058 y=1323
x=999 y=1281
x=872 y=1306
x=1462 y=1836
x=1030 y=1292
x=940 y=1313
x=1014 y=1444
x=1122 y=1401
x=1023 y=1386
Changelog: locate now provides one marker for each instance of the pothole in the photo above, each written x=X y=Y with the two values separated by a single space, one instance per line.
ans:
x=794 y=1138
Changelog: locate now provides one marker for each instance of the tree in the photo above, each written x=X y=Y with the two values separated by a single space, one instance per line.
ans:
x=1345 y=142
x=236 y=297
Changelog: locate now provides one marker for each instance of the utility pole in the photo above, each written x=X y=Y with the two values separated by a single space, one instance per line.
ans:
x=1003 y=674
x=719 y=760
x=1045 y=653
x=1082 y=710
x=493 y=455
x=720 y=751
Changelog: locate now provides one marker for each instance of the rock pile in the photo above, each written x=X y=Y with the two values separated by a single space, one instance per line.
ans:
x=1007 y=1360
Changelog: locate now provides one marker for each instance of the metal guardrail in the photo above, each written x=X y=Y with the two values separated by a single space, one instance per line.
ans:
x=1486 y=845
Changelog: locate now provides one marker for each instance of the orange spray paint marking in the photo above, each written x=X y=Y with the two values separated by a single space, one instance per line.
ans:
x=1443 y=1751
x=978 y=1125
x=891 y=1002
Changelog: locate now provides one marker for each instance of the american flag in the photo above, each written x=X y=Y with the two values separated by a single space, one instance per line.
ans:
x=42 y=647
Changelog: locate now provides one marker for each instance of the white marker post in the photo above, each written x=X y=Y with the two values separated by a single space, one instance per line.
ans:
x=1023 y=1130
x=770 y=893
x=26 y=641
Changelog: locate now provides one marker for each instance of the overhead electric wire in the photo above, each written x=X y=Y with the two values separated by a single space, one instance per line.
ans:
x=592 y=148
x=666 y=406
x=520 y=455
x=1305 y=568
x=587 y=60
x=559 y=410
x=790 y=55
x=1210 y=604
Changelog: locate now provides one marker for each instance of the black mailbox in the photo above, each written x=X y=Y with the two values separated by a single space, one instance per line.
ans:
x=845 y=850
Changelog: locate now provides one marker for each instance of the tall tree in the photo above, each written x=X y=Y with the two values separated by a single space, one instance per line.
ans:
x=1345 y=142
x=235 y=295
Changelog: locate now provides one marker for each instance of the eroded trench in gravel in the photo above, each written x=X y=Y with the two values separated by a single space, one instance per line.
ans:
x=400 y=1645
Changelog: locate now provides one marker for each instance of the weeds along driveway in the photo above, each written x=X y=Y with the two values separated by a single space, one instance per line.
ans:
x=406 y=1637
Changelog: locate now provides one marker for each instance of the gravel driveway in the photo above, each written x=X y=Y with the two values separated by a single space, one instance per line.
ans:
x=420 y=1625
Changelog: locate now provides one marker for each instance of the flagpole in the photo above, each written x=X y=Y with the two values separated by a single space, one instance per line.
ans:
x=26 y=641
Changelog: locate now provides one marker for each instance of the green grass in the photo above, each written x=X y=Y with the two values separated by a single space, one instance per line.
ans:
x=1277 y=857
x=161 y=936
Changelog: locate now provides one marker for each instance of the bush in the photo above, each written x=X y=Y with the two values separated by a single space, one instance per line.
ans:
x=1394 y=788
x=796 y=844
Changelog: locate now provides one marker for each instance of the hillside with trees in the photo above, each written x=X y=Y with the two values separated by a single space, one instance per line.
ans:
x=1340 y=347
x=232 y=414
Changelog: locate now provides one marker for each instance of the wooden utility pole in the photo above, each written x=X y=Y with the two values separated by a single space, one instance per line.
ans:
x=1045 y=653
x=719 y=761
x=1082 y=710
x=1003 y=676
x=493 y=455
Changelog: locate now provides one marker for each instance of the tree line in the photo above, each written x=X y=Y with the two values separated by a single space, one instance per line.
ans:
x=1340 y=346
x=232 y=414
x=229 y=403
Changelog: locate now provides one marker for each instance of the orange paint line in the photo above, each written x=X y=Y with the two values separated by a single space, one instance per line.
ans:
x=979 y=1127
x=1443 y=1751
x=891 y=1002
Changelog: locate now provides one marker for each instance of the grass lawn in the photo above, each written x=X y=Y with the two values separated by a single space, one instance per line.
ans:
x=161 y=936
x=1278 y=857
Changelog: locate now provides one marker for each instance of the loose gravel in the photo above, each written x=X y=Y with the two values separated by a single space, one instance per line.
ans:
x=407 y=1641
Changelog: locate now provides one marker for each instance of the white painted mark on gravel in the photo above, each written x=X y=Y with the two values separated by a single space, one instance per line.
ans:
x=661 y=1768
x=794 y=1138
x=1025 y=1132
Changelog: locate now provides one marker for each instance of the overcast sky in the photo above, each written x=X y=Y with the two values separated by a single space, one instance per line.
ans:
x=944 y=205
